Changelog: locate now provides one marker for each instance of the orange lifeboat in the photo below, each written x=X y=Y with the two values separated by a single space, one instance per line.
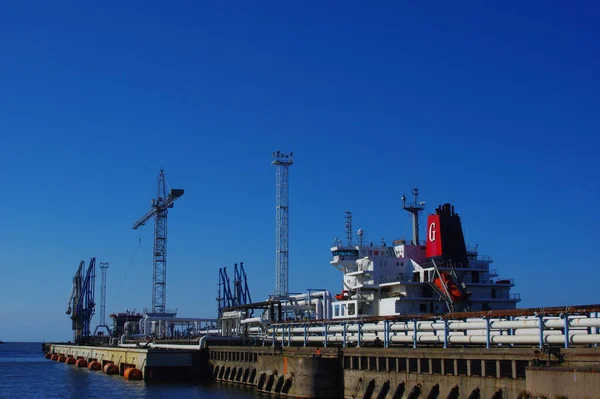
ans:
x=455 y=293
x=132 y=374
x=48 y=355
x=342 y=295
x=70 y=360
x=62 y=358
x=54 y=357
x=81 y=362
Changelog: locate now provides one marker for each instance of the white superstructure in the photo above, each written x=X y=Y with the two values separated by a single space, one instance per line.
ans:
x=399 y=279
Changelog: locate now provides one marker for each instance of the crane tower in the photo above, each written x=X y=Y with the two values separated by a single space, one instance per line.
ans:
x=282 y=161
x=158 y=210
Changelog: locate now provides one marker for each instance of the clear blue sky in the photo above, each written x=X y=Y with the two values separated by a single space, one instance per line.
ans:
x=494 y=108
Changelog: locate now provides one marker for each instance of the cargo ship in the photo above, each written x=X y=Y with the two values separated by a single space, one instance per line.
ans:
x=434 y=276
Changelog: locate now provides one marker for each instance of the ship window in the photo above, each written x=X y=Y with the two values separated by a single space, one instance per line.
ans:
x=344 y=310
x=336 y=310
x=423 y=307
x=397 y=263
x=475 y=277
x=351 y=309
x=493 y=293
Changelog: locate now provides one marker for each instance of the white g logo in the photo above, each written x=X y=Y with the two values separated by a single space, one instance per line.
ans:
x=432 y=231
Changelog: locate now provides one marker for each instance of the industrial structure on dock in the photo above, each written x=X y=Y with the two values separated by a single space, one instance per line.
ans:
x=413 y=317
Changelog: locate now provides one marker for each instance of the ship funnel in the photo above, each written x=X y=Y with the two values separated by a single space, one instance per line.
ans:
x=445 y=239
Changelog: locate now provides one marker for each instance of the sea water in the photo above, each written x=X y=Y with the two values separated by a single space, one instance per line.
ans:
x=25 y=373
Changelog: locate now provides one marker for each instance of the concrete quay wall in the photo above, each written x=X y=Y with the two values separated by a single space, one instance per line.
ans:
x=563 y=382
x=297 y=373
x=368 y=373
x=391 y=373
x=155 y=364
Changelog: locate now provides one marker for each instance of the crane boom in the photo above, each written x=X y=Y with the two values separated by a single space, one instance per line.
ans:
x=76 y=288
x=167 y=203
x=81 y=301
x=158 y=210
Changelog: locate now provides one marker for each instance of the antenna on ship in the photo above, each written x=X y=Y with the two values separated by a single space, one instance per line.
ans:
x=349 y=227
x=414 y=208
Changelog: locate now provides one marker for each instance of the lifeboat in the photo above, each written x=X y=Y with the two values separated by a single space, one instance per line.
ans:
x=70 y=360
x=342 y=295
x=81 y=362
x=455 y=292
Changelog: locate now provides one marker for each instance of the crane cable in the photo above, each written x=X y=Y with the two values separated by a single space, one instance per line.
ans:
x=137 y=248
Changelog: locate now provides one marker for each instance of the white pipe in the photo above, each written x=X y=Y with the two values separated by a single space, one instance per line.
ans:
x=532 y=325
x=255 y=320
x=318 y=310
x=460 y=339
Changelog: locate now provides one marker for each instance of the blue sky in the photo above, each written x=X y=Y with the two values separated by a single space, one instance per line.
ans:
x=491 y=107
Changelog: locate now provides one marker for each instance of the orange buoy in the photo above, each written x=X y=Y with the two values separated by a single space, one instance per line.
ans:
x=81 y=362
x=132 y=374
x=54 y=357
x=48 y=355
x=94 y=365
x=111 y=368
x=62 y=358
x=70 y=360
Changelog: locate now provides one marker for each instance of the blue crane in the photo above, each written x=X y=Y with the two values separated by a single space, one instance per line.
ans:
x=239 y=295
x=158 y=210
x=81 y=305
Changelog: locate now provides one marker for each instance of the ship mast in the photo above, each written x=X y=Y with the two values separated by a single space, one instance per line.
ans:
x=414 y=208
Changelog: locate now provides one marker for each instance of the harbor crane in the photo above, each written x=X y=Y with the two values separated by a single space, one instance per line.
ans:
x=158 y=210
x=81 y=303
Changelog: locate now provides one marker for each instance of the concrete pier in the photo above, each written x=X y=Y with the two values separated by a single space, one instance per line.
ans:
x=155 y=364
x=366 y=373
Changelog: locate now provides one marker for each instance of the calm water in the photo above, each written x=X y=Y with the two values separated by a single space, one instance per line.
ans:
x=24 y=373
